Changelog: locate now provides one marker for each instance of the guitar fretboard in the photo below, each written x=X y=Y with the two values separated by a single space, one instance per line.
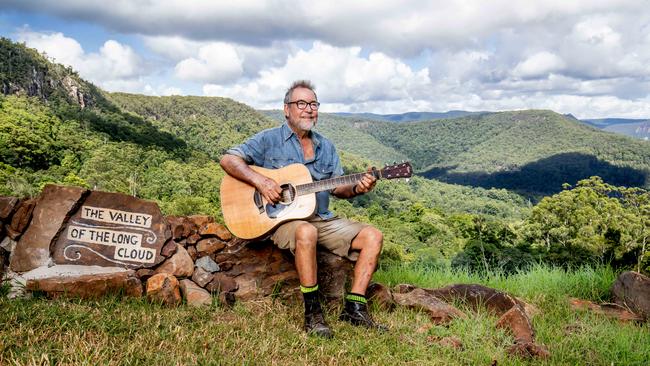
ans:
x=327 y=184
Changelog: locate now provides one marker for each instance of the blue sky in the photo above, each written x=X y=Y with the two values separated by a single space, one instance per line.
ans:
x=588 y=58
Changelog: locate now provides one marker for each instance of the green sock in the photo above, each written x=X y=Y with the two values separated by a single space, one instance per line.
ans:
x=356 y=298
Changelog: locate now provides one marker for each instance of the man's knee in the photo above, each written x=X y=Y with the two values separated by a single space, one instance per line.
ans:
x=372 y=238
x=306 y=235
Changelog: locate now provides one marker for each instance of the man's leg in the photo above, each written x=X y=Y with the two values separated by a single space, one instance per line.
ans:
x=305 y=255
x=368 y=242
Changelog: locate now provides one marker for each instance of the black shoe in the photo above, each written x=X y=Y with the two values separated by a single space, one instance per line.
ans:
x=315 y=323
x=356 y=313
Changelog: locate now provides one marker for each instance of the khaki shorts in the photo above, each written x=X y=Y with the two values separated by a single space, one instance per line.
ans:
x=335 y=234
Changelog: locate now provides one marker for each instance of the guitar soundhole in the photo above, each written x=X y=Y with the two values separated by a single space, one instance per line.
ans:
x=288 y=194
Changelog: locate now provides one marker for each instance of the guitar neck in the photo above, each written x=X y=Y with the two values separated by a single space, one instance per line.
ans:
x=327 y=184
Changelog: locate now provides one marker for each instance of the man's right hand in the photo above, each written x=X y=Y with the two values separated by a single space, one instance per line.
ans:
x=268 y=188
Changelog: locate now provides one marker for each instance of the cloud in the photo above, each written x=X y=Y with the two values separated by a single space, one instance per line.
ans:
x=539 y=64
x=346 y=77
x=216 y=63
x=114 y=64
x=402 y=28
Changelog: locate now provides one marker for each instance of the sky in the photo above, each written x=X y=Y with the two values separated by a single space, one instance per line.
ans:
x=587 y=58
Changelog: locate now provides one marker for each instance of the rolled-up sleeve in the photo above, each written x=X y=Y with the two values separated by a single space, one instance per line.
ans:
x=252 y=150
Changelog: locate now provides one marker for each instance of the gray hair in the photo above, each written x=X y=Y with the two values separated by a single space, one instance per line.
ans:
x=298 y=84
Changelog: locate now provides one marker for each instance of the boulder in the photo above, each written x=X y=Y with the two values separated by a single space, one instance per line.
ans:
x=7 y=206
x=180 y=264
x=439 y=311
x=222 y=283
x=83 y=281
x=164 y=288
x=381 y=296
x=632 y=290
x=194 y=295
x=478 y=296
x=109 y=229
x=168 y=249
x=21 y=218
x=201 y=277
x=200 y=220
x=209 y=245
x=518 y=323
x=52 y=210
x=208 y=264
x=215 y=229
x=616 y=311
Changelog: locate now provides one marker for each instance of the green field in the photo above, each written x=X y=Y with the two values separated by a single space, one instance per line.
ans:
x=116 y=331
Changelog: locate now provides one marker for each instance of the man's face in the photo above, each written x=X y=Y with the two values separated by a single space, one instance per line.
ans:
x=301 y=119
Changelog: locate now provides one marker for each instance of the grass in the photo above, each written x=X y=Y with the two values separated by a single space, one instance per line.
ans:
x=116 y=331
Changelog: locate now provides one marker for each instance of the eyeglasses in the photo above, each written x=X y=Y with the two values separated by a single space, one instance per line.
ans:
x=301 y=104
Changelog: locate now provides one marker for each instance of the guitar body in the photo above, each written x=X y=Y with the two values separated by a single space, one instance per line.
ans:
x=248 y=216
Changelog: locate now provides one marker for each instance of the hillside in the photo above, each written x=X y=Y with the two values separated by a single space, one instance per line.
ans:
x=409 y=116
x=529 y=151
x=208 y=124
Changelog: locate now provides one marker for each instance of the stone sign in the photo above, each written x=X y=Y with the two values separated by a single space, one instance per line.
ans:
x=110 y=229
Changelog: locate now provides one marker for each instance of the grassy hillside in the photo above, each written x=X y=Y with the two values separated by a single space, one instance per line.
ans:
x=208 y=124
x=529 y=151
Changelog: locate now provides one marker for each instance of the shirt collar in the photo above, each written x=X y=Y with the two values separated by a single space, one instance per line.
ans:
x=287 y=132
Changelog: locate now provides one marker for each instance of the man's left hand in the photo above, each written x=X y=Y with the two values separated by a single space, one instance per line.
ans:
x=366 y=184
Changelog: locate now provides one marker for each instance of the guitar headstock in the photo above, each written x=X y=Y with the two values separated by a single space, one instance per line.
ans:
x=401 y=170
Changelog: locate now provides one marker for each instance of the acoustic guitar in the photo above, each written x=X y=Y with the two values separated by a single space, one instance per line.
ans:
x=249 y=216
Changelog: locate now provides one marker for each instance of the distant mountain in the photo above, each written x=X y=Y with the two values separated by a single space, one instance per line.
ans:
x=639 y=128
x=409 y=116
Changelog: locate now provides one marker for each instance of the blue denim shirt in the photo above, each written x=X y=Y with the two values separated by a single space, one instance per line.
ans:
x=278 y=147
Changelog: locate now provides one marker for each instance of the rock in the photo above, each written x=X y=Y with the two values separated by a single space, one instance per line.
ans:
x=164 y=288
x=111 y=229
x=403 y=288
x=194 y=295
x=7 y=206
x=201 y=277
x=200 y=220
x=222 y=283
x=191 y=251
x=218 y=230
x=381 y=296
x=8 y=244
x=518 y=323
x=632 y=290
x=168 y=249
x=333 y=273
x=83 y=283
x=615 y=311
x=419 y=299
x=478 y=296
x=144 y=273
x=181 y=227
x=193 y=239
x=209 y=246
x=208 y=264
x=21 y=217
x=52 y=209
x=529 y=350
x=179 y=265
x=227 y=299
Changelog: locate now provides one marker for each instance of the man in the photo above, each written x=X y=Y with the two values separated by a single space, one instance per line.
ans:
x=295 y=142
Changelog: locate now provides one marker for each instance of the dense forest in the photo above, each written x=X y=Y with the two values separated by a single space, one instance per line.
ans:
x=165 y=149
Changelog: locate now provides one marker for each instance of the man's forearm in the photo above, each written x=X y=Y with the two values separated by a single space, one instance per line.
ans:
x=237 y=167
